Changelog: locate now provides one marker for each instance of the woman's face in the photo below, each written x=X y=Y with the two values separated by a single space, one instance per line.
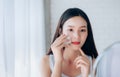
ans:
x=76 y=29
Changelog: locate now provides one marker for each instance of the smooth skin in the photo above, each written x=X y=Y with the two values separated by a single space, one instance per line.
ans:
x=71 y=61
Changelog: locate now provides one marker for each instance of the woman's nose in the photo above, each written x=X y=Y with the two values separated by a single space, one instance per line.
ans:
x=76 y=35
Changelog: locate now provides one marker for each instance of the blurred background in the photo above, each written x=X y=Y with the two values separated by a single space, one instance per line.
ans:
x=27 y=28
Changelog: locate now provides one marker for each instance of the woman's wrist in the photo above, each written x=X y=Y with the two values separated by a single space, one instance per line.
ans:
x=57 y=69
x=58 y=61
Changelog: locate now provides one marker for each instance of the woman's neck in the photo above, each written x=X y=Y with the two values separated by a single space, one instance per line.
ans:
x=70 y=55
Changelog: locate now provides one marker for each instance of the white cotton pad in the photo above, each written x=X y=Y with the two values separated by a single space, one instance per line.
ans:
x=68 y=40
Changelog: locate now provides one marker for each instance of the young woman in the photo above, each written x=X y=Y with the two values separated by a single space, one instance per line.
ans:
x=72 y=50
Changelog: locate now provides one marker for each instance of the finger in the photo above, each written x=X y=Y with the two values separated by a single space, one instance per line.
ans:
x=81 y=59
x=76 y=59
x=82 y=53
x=83 y=62
x=61 y=45
x=61 y=37
x=67 y=45
x=81 y=65
x=59 y=40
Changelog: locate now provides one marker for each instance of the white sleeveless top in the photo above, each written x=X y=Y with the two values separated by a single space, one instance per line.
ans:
x=51 y=59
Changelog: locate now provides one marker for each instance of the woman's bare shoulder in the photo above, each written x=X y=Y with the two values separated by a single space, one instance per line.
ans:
x=45 y=60
x=45 y=57
x=44 y=66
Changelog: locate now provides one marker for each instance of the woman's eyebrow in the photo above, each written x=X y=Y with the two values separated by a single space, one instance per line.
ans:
x=83 y=27
x=79 y=27
x=70 y=26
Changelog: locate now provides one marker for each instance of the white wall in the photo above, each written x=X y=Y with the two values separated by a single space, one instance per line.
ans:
x=103 y=14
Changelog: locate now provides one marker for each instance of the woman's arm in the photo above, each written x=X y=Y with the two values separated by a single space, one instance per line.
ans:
x=57 y=49
x=57 y=70
x=45 y=70
x=45 y=67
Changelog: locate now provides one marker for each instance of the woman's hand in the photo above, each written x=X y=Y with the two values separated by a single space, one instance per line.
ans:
x=82 y=62
x=57 y=47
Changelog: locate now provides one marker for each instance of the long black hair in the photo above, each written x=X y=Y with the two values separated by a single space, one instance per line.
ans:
x=89 y=45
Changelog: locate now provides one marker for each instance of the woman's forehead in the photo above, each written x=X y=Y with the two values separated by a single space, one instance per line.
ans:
x=72 y=26
x=75 y=21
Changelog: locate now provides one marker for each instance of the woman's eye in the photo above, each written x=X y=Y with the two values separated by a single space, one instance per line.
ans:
x=70 y=30
x=83 y=30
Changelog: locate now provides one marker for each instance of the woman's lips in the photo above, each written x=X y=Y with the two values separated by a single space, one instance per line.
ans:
x=76 y=43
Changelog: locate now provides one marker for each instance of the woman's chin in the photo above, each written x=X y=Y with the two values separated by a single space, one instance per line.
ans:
x=75 y=48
